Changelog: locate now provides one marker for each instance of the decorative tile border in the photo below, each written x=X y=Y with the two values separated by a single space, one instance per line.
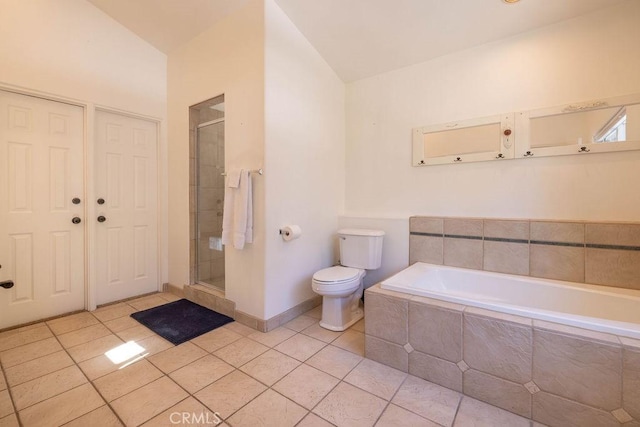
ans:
x=613 y=247
x=567 y=244
x=457 y=236
x=503 y=239
x=533 y=242
x=415 y=233
x=588 y=252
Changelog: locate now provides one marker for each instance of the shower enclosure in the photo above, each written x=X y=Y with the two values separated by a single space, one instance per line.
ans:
x=207 y=192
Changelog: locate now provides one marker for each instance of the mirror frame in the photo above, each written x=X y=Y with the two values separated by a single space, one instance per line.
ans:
x=506 y=143
x=523 y=128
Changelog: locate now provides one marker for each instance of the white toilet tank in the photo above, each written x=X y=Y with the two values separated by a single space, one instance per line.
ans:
x=360 y=248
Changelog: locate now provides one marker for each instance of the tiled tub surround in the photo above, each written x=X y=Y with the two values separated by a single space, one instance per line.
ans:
x=554 y=374
x=585 y=252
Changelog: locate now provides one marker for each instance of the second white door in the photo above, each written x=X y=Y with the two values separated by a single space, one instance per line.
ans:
x=126 y=204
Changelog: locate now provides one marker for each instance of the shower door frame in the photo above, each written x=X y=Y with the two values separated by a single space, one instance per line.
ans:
x=197 y=204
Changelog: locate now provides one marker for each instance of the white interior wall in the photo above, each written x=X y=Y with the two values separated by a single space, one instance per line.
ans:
x=304 y=168
x=69 y=49
x=586 y=58
x=226 y=59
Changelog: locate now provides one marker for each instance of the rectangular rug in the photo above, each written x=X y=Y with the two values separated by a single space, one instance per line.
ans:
x=181 y=320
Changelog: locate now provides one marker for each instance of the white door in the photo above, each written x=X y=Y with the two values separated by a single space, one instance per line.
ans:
x=41 y=172
x=127 y=204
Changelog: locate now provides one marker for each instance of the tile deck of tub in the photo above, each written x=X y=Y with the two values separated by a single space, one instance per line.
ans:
x=56 y=373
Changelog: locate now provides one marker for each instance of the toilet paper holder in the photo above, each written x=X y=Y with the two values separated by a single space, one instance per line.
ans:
x=284 y=232
x=290 y=232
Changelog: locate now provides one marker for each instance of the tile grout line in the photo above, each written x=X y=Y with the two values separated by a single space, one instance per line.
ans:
x=91 y=382
x=108 y=404
x=245 y=404
x=45 y=324
x=484 y=251
x=340 y=381
x=3 y=372
x=584 y=258
x=533 y=357
x=457 y=409
x=13 y=405
x=409 y=410
x=75 y=363
x=41 y=376
x=390 y=399
x=177 y=369
x=234 y=369
x=309 y=411
x=83 y=374
x=529 y=263
x=131 y=391
x=88 y=381
x=270 y=387
x=138 y=388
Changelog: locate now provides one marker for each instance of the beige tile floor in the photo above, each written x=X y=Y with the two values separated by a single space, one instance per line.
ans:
x=56 y=373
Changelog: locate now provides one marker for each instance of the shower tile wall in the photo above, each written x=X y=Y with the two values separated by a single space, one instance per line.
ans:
x=206 y=192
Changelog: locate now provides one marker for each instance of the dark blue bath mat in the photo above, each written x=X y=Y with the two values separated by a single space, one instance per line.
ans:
x=181 y=320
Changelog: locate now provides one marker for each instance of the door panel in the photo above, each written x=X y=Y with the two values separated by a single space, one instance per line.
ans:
x=41 y=171
x=126 y=178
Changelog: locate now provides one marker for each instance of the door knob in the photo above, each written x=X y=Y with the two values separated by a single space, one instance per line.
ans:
x=76 y=220
x=101 y=219
x=7 y=285
x=75 y=201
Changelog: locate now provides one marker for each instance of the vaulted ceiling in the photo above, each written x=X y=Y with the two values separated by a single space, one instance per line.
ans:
x=360 y=38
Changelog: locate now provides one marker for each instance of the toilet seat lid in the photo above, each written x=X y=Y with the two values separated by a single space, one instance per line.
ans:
x=336 y=274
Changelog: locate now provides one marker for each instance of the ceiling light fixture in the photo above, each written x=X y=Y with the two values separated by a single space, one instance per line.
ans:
x=511 y=1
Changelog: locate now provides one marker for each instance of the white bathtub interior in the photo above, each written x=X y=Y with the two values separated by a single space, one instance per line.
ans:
x=599 y=308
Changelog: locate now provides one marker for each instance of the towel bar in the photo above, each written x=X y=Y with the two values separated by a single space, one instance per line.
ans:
x=258 y=171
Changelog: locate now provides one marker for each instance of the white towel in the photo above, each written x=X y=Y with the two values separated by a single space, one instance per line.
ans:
x=237 y=220
x=234 y=178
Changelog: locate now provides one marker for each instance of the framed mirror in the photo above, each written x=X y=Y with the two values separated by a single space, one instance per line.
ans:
x=611 y=124
x=476 y=140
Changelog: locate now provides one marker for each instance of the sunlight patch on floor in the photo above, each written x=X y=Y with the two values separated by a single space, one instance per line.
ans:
x=125 y=352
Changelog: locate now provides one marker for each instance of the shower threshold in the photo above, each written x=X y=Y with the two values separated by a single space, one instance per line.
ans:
x=216 y=284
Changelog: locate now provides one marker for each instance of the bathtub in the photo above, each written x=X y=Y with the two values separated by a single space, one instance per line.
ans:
x=598 y=308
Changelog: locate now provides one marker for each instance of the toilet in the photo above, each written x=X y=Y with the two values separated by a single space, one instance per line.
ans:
x=341 y=286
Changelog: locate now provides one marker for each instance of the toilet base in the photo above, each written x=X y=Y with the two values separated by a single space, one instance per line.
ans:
x=339 y=313
x=354 y=318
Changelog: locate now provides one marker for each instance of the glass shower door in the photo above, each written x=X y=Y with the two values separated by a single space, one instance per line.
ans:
x=210 y=202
